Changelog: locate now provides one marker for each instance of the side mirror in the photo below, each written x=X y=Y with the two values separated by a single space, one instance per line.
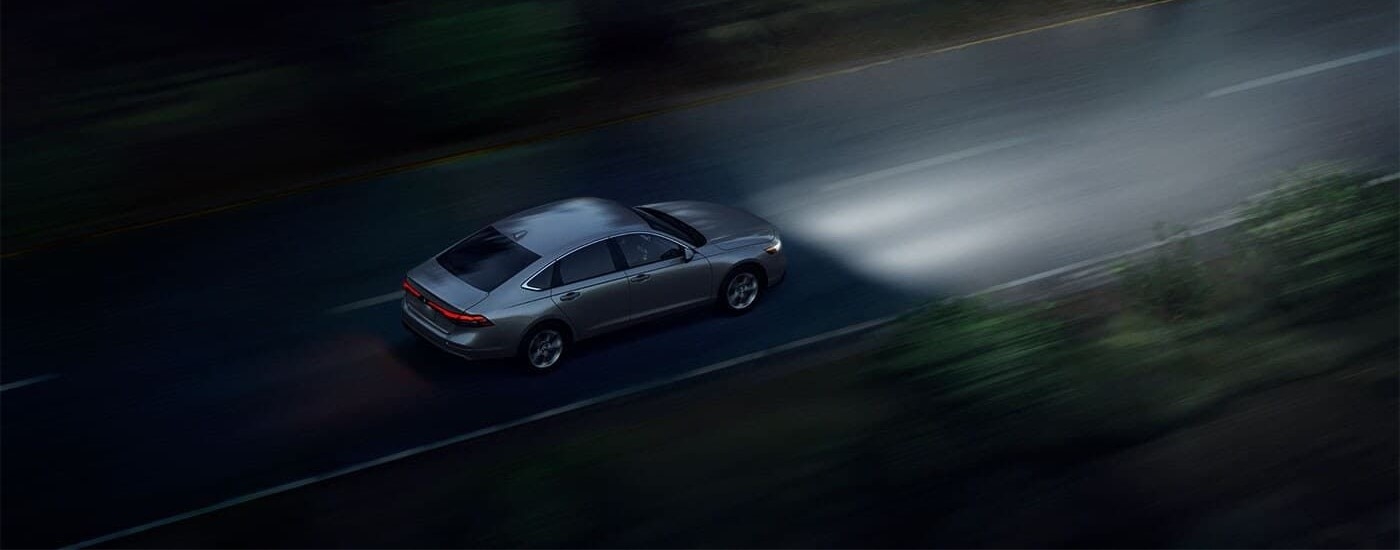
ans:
x=689 y=254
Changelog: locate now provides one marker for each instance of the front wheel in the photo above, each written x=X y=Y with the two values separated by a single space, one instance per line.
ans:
x=542 y=350
x=740 y=291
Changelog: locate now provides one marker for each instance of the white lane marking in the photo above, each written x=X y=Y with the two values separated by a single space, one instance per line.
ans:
x=27 y=381
x=1226 y=220
x=1305 y=71
x=928 y=163
x=1383 y=179
x=1212 y=224
x=367 y=302
x=639 y=388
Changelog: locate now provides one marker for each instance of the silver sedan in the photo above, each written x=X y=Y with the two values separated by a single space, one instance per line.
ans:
x=531 y=285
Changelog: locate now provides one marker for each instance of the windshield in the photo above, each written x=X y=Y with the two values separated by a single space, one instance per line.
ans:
x=669 y=225
x=486 y=259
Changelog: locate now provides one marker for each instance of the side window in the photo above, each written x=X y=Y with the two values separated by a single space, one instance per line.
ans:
x=544 y=280
x=641 y=249
x=585 y=263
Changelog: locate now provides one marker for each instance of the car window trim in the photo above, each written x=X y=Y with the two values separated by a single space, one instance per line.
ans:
x=553 y=278
x=525 y=285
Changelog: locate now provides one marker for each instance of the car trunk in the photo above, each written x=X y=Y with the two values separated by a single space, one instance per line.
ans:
x=443 y=287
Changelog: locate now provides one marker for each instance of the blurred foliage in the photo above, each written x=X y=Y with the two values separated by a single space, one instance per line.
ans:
x=1022 y=378
x=994 y=380
x=976 y=348
x=1173 y=283
x=131 y=110
x=970 y=405
x=1137 y=378
x=1330 y=239
x=982 y=367
x=454 y=62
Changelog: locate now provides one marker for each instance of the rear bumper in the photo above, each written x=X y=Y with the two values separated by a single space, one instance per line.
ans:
x=466 y=343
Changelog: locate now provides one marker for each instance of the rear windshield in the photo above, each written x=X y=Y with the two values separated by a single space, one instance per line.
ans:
x=486 y=259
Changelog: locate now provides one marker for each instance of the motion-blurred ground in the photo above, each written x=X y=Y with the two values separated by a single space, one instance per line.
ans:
x=165 y=370
x=1240 y=400
x=119 y=112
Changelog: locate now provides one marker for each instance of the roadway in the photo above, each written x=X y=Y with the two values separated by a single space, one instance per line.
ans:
x=165 y=369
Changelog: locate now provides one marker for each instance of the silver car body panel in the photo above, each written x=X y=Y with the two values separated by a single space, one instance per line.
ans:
x=726 y=227
x=668 y=286
x=595 y=306
x=601 y=304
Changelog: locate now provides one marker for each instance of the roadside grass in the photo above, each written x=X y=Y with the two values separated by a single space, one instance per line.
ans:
x=964 y=424
x=1330 y=241
x=1022 y=379
x=962 y=384
x=708 y=463
x=1173 y=283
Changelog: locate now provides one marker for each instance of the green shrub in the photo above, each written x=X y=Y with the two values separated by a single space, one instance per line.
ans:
x=993 y=381
x=1330 y=240
x=1172 y=284
x=453 y=64
x=971 y=354
x=996 y=381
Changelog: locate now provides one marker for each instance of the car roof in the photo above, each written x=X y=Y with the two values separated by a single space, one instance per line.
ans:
x=556 y=227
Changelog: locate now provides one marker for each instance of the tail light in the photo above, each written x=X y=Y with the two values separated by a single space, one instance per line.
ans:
x=458 y=318
x=464 y=319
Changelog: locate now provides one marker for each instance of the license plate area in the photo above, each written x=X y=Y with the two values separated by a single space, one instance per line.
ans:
x=427 y=313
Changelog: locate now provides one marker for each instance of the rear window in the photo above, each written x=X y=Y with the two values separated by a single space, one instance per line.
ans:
x=486 y=259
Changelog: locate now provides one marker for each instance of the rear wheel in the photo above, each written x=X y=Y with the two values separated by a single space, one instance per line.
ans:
x=542 y=350
x=740 y=291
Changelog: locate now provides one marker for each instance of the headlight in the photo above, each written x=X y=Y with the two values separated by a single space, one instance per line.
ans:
x=775 y=247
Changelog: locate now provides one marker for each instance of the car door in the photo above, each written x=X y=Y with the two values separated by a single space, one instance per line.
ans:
x=592 y=290
x=663 y=280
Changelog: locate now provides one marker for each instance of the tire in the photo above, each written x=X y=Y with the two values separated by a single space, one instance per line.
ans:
x=535 y=354
x=740 y=291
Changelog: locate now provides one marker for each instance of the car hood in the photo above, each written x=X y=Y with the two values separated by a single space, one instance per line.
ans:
x=724 y=227
x=444 y=286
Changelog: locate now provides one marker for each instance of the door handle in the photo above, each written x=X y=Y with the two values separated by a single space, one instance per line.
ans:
x=568 y=296
x=640 y=278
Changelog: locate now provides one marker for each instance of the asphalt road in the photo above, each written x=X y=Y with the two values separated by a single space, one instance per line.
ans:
x=166 y=369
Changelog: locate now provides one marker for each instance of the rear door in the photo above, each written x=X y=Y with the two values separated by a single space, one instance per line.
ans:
x=662 y=280
x=591 y=289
